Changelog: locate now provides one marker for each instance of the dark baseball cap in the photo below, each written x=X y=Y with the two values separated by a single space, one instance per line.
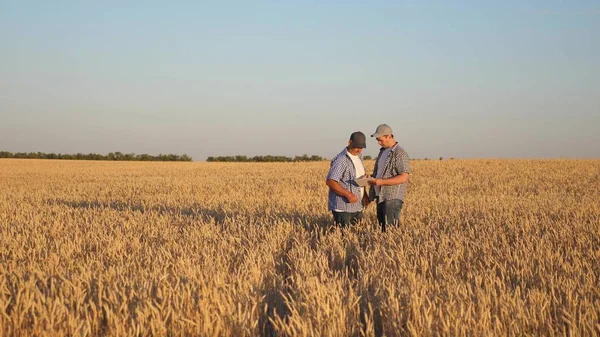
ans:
x=358 y=140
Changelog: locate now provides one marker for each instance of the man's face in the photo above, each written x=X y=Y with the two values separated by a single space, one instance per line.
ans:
x=355 y=151
x=386 y=141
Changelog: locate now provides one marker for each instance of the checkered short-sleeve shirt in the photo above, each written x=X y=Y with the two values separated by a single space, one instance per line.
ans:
x=397 y=162
x=342 y=170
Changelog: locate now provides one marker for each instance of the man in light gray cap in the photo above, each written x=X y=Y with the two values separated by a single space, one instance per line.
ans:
x=391 y=177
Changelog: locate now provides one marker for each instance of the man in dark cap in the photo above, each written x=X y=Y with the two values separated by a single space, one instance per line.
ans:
x=391 y=177
x=346 y=197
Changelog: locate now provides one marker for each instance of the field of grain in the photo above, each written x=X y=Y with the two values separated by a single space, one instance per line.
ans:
x=487 y=248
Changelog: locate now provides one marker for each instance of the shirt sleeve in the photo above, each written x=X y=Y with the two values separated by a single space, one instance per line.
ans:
x=336 y=171
x=402 y=162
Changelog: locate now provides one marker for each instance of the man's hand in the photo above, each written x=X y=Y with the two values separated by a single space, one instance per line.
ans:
x=376 y=182
x=339 y=190
x=351 y=198
x=366 y=200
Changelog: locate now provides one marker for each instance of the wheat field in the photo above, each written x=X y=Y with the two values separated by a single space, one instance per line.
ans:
x=486 y=248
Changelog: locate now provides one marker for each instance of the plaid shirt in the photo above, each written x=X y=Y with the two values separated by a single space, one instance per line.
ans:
x=395 y=164
x=342 y=170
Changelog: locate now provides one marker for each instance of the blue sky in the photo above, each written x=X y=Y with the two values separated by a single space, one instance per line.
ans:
x=466 y=79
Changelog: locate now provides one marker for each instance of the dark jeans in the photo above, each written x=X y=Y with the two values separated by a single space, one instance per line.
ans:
x=344 y=219
x=388 y=213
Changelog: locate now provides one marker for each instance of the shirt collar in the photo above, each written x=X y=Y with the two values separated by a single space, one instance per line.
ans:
x=388 y=148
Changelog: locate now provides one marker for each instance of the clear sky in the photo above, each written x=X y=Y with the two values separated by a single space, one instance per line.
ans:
x=468 y=79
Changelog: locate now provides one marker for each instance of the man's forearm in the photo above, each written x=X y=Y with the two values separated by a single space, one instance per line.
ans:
x=338 y=189
x=395 y=180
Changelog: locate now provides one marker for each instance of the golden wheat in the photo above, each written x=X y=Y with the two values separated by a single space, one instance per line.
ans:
x=487 y=248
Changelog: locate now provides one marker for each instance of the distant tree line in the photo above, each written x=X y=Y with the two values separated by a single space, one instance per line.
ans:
x=115 y=156
x=264 y=159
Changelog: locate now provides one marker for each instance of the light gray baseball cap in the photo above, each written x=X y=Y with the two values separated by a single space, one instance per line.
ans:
x=382 y=130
